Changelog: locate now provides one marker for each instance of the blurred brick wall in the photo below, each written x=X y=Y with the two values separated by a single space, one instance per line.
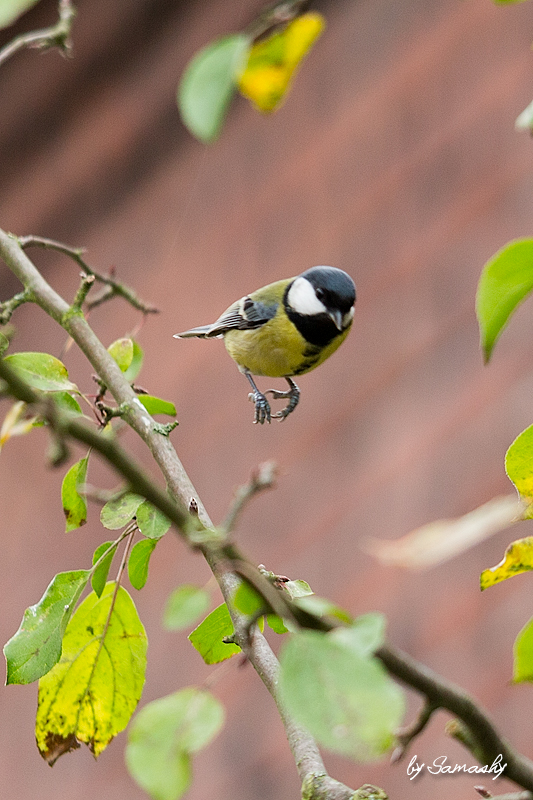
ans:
x=394 y=158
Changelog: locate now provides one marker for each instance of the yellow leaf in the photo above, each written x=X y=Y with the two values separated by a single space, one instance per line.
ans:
x=272 y=62
x=14 y=423
x=518 y=558
x=91 y=693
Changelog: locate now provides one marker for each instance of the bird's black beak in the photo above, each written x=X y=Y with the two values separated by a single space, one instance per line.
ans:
x=336 y=317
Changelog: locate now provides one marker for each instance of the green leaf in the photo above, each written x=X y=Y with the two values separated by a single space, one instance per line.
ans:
x=36 y=646
x=41 y=371
x=122 y=351
x=208 y=85
x=506 y=280
x=136 y=363
x=297 y=589
x=164 y=734
x=364 y=635
x=117 y=513
x=154 y=405
x=248 y=601
x=276 y=624
x=152 y=523
x=184 y=606
x=66 y=402
x=92 y=692
x=10 y=10
x=519 y=467
x=347 y=702
x=321 y=607
x=207 y=637
x=101 y=572
x=74 y=504
x=518 y=558
x=523 y=654
x=507 y=2
x=4 y=343
x=138 y=562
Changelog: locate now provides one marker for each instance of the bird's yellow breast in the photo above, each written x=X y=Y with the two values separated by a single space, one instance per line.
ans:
x=277 y=349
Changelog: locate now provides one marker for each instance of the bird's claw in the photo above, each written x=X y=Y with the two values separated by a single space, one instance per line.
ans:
x=293 y=394
x=262 y=408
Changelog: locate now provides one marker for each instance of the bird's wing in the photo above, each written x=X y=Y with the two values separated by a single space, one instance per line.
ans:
x=244 y=315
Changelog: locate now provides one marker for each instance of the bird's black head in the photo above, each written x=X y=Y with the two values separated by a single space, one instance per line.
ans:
x=320 y=303
x=333 y=287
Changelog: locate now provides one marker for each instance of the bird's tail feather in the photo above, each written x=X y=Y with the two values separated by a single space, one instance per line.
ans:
x=201 y=332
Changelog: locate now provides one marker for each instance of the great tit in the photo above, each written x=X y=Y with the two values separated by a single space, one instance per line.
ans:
x=286 y=328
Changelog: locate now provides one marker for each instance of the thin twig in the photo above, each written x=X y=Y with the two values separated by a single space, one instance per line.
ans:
x=112 y=287
x=8 y=306
x=262 y=478
x=486 y=743
x=405 y=736
x=276 y=16
x=87 y=282
x=57 y=35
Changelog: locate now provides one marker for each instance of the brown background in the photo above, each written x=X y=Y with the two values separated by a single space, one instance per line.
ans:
x=395 y=159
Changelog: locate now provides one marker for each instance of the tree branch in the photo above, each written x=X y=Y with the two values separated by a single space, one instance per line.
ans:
x=307 y=757
x=57 y=35
x=224 y=559
x=485 y=741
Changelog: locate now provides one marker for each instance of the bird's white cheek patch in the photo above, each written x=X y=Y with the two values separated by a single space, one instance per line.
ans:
x=303 y=300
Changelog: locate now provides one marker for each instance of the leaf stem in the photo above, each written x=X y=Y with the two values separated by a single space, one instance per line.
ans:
x=112 y=546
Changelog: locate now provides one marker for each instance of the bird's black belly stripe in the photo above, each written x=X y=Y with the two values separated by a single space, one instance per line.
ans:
x=311 y=355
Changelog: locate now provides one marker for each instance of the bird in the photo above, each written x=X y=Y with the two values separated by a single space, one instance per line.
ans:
x=283 y=330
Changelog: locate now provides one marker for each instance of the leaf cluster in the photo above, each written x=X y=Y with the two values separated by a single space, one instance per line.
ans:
x=505 y=283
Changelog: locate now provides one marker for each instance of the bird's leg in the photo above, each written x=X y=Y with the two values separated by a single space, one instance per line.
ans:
x=294 y=397
x=262 y=407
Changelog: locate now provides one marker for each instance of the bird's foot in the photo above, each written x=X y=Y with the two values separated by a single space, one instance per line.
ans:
x=262 y=408
x=293 y=394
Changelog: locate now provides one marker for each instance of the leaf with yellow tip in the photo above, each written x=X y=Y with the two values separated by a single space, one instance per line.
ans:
x=273 y=62
x=16 y=423
x=518 y=558
x=519 y=467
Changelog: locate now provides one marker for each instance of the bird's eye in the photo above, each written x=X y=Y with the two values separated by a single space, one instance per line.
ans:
x=319 y=293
